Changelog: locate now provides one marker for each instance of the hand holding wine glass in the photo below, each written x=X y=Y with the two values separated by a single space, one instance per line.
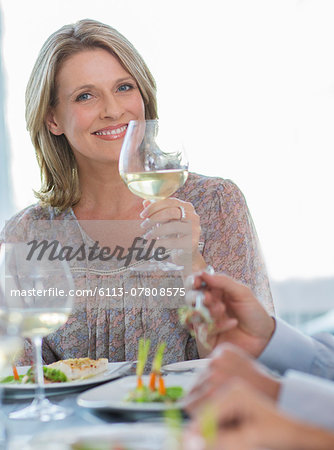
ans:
x=38 y=293
x=153 y=164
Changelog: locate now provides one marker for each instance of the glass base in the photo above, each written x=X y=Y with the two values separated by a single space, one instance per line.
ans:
x=44 y=411
x=155 y=266
x=3 y=431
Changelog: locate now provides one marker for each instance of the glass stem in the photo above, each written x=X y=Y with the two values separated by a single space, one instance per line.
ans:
x=39 y=374
x=3 y=425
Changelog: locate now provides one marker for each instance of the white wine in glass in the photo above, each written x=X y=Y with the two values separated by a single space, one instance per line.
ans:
x=38 y=322
x=38 y=294
x=155 y=185
x=10 y=346
x=153 y=165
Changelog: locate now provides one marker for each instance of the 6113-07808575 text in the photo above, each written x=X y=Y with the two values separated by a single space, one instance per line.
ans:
x=102 y=292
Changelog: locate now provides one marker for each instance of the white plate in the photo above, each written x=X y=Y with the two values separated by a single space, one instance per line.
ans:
x=114 y=370
x=137 y=436
x=187 y=366
x=110 y=396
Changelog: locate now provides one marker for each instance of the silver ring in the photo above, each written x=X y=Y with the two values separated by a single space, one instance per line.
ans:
x=183 y=212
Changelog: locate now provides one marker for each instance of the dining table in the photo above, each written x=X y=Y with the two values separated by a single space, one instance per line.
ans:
x=21 y=432
x=91 y=422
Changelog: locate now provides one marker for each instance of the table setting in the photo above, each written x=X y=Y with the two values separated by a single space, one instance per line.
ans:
x=99 y=413
x=89 y=411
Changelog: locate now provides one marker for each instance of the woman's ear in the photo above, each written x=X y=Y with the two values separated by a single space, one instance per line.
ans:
x=52 y=124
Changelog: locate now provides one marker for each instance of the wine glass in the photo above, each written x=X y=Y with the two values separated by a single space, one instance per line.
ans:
x=10 y=347
x=153 y=165
x=39 y=293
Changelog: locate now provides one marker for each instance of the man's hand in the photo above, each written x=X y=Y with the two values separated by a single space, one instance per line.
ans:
x=227 y=364
x=243 y=419
x=227 y=299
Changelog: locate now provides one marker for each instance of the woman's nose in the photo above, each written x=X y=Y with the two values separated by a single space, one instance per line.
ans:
x=111 y=108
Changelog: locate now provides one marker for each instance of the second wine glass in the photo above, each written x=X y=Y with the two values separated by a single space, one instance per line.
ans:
x=10 y=347
x=39 y=297
x=154 y=165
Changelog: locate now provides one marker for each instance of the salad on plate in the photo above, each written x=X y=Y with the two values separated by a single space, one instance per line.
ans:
x=155 y=390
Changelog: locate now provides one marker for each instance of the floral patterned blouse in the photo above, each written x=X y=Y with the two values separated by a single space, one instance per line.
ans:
x=109 y=327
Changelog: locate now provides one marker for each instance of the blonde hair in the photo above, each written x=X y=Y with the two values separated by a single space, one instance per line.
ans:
x=60 y=183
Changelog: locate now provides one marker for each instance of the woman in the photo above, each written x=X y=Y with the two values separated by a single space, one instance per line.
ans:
x=87 y=84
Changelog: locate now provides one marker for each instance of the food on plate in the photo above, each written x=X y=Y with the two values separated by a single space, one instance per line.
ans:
x=15 y=374
x=145 y=395
x=89 y=444
x=50 y=376
x=79 y=368
x=156 y=391
x=62 y=371
x=155 y=375
x=11 y=379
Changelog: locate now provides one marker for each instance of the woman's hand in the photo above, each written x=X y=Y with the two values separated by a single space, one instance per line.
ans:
x=175 y=224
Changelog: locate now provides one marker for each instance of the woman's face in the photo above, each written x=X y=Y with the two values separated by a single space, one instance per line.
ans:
x=96 y=100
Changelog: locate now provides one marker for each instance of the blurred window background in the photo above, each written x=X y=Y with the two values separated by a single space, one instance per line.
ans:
x=252 y=86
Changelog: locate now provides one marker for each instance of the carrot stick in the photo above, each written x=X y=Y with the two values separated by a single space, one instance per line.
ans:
x=139 y=383
x=162 y=387
x=152 y=381
x=16 y=375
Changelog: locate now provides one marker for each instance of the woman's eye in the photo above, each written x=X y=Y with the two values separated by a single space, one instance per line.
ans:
x=83 y=97
x=125 y=87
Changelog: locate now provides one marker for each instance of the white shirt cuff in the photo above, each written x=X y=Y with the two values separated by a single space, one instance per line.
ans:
x=307 y=398
x=288 y=348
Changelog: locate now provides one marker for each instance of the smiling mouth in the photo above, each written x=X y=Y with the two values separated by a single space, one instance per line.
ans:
x=115 y=132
